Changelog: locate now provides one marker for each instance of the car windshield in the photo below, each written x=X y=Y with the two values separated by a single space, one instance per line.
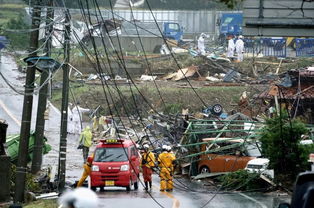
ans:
x=110 y=155
x=252 y=166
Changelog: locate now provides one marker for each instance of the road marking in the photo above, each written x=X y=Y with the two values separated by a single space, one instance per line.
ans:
x=9 y=113
x=176 y=202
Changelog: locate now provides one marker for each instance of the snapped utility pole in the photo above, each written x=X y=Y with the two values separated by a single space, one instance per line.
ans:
x=42 y=98
x=21 y=168
x=64 y=105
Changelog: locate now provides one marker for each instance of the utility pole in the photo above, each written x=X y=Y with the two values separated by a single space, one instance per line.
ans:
x=64 y=105
x=27 y=109
x=42 y=98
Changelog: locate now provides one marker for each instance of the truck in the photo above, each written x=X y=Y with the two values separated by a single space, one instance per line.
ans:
x=149 y=32
x=151 y=38
x=170 y=30
x=229 y=24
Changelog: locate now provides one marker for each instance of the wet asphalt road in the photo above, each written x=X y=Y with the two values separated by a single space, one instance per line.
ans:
x=183 y=196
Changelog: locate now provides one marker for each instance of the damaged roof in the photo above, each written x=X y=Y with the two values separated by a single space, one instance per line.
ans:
x=304 y=90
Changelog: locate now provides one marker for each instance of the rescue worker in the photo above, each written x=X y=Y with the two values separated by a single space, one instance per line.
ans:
x=95 y=123
x=239 y=47
x=147 y=164
x=166 y=163
x=201 y=43
x=87 y=169
x=231 y=46
x=85 y=141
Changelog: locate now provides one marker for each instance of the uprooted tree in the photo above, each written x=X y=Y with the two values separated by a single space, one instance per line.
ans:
x=281 y=144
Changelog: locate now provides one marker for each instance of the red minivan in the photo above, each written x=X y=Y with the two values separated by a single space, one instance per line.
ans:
x=116 y=163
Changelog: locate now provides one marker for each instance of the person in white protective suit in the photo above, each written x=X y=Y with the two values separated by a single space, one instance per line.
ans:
x=79 y=198
x=239 y=47
x=77 y=113
x=231 y=46
x=201 y=43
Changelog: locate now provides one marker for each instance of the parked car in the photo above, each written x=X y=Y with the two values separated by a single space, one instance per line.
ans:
x=260 y=165
x=116 y=163
x=227 y=160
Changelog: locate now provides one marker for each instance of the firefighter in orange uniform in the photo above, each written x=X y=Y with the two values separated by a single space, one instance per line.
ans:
x=87 y=169
x=166 y=163
x=147 y=163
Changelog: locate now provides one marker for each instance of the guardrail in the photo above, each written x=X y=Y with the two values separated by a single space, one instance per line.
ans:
x=304 y=47
x=266 y=47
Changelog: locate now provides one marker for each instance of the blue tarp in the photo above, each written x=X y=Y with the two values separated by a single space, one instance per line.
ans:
x=3 y=42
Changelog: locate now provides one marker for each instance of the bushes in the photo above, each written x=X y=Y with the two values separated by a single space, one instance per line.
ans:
x=241 y=180
x=281 y=144
x=30 y=185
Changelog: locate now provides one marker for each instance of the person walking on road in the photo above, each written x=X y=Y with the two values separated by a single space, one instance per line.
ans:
x=85 y=141
x=87 y=169
x=147 y=164
x=166 y=163
x=239 y=47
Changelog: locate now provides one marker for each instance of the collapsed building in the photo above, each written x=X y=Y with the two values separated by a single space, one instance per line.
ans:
x=295 y=93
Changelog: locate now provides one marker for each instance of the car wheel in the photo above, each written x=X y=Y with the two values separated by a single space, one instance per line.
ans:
x=204 y=169
x=128 y=188
x=216 y=109
x=93 y=188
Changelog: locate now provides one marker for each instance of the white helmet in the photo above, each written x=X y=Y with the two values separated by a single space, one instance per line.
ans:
x=146 y=146
x=168 y=148
x=164 y=147
x=79 y=198
x=240 y=37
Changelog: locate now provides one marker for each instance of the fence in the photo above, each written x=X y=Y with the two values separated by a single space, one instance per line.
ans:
x=266 y=47
x=304 y=47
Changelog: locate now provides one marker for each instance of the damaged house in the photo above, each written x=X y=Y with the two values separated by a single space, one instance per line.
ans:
x=295 y=93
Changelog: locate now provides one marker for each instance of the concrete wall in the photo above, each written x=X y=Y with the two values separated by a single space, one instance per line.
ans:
x=282 y=18
x=132 y=43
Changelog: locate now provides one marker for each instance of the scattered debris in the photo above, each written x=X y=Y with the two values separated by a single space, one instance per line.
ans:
x=182 y=73
x=147 y=78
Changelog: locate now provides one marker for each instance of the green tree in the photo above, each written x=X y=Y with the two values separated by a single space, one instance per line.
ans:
x=281 y=144
x=18 y=40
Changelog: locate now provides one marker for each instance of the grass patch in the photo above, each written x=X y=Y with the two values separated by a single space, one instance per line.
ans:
x=12 y=6
x=10 y=11
x=51 y=203
x=175 y=99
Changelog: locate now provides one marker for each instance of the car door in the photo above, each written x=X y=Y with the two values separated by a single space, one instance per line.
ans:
x=135 y=163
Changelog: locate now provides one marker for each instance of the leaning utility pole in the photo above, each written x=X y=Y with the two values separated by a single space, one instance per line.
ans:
x=42 y=98
x=64 y=106
x=27 y=109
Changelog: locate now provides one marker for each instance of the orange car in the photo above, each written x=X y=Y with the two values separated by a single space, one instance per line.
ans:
x=232 y=160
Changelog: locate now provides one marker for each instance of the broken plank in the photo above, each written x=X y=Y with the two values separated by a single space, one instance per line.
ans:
x=267 y=180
